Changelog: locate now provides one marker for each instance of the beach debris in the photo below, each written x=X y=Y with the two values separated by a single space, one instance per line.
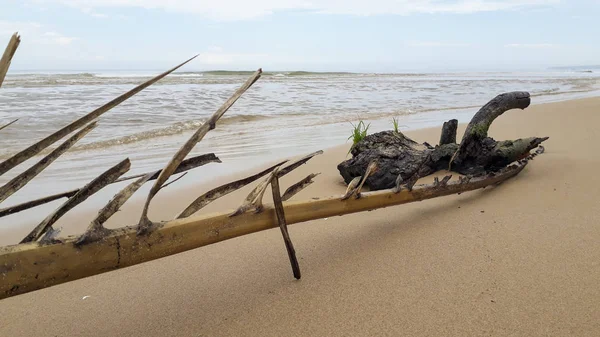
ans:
x=299 y=186
x=7 y=56
x=185 y=165
x=123 y=247
x=145 y=225
x=85 y=192
x=223 y=190
x=352 y=186
x=389 y=159
x=96 y=229
x=85 y=297
x=8 y=124
x=22 y=179
x=448 y=135
x=279 y=210
x=477 y=153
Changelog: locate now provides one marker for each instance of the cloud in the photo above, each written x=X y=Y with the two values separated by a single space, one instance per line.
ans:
x=215 y=55
x=531 y=45
x=91 y=12
x=243 y=9
x=437 y=44
x=35 y=33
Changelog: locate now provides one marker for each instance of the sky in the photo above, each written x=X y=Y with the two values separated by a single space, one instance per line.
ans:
x=325 y=35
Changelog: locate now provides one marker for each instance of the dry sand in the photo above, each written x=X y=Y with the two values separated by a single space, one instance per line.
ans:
x=521 y=259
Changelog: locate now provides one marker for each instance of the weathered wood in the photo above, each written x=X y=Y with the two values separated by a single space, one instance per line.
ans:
x=254 y=198
x=397 y=154
x=185 y=165
x=299 y=186
x=8 y=54
x=96 y=230
x=85 y=192
x=477 y=152
x=9 y=124
x=223 y=190
x=294 y=165
x=280 y=212
x=22 y=179
x=145 y=225
x=449 y=132
x=27 y=267
x=36 y=148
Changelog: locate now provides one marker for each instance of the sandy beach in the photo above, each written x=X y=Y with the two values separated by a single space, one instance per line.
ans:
x=520 y=259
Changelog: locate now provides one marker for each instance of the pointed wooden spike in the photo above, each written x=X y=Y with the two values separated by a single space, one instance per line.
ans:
x=436 y=181
x=9 y=124
x=96 y=230
x=186 y=165
x=22 y=179
x=254 y=198
x=445 y=181
x=299 y=186
x=298 y=163
x=174 y=180
x=8 y=54
x=145 y=225
x=36 y=148
x=283 y=226
x=372 y=168
x=94 y=186
x=351 y=189
x=220 y=191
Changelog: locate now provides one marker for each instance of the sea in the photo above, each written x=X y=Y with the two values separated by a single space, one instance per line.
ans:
x=284 y=114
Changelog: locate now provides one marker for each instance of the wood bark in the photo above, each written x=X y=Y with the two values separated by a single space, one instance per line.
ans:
x=402 y=160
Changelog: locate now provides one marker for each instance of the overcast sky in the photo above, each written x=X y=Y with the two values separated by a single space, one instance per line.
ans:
x=318 y=35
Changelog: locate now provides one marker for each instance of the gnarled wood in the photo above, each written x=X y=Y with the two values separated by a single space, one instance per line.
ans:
x=449 y=132
x=401 y=159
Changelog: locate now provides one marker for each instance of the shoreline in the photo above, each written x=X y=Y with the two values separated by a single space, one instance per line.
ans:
x=517 y=259
x=212 y=175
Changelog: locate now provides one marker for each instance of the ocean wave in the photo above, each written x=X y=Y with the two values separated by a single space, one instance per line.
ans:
x=171 y=130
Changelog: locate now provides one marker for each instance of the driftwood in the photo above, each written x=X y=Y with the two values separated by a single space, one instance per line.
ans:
x=22 y=179
x=85 y=192
x=185 y=165
x=145 y=225
x=124 y=248
x=8 y=54
x=44 y=259
x=8 y=124
x=402 y=160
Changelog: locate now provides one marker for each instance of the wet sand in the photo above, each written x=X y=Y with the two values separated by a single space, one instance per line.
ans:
x=520 y=259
